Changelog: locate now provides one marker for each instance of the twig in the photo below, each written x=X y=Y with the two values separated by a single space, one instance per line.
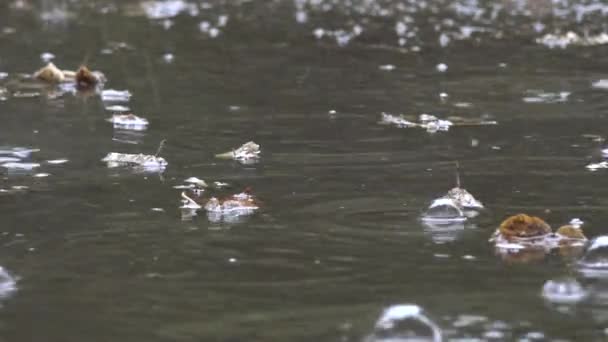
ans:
x=160 y=147
x=190 y=200
x=457 y=174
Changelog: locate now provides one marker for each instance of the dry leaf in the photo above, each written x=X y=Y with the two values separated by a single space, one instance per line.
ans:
x=50 y=73
x=523 y=226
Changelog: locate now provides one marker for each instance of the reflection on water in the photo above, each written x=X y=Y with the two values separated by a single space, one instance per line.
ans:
x=340 y=233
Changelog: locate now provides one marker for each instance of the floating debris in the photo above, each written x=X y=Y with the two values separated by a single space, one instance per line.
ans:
x=196 y=181
x=57 y=161
x=50 y=73
x=571 y=38
x=128 y=121
x=463 y=198
x=522 y=232
x=19 y=152
x=431 y=123
x=111 y=95
x=240 y=204
x=523 y=226
x=21 y=166
x=597 y=166
x=184 y=187
x=600 y=84
x=8 y=160
x=147 y=162
x=86 y=79
x=539 y=96
x=117 y=108
x=220 y=185
x=247 y=153
x=398 y=121
x=405 y=322
x=228 y=209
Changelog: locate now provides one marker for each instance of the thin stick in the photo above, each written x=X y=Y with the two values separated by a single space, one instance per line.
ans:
x=190 y=200
x=160 y=147
x=457 y=174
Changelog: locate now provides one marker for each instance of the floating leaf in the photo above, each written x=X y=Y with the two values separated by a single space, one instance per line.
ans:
x=129 y=121
x=148 y=162
x=50 y=73
x=248 y=152
x=86 y=79
x=523 y=226
x=464 y=199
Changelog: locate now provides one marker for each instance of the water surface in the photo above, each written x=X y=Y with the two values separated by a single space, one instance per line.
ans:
x=339 y=237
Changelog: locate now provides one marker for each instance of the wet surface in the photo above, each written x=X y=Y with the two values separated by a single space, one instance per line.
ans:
x=102 y=254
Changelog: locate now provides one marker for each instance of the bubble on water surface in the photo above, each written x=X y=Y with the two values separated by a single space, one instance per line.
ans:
x=444 y=210
x=405 y=322
x=564 y=291
x=595 y=258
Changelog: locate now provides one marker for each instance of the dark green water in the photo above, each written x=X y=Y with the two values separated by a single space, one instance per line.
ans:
x=339 y=236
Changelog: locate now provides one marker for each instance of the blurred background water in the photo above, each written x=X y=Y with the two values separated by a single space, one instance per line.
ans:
x=103 y=254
